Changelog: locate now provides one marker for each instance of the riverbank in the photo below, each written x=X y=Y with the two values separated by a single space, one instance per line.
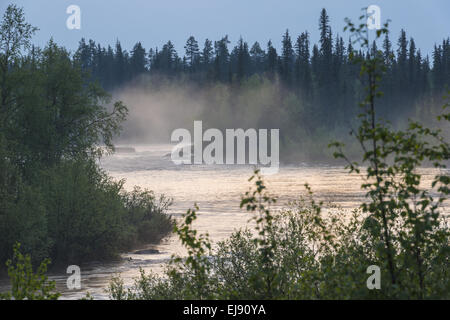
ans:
x=217 y=190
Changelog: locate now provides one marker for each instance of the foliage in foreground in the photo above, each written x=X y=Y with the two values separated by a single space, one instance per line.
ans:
x=302 y=253
x=26 y=284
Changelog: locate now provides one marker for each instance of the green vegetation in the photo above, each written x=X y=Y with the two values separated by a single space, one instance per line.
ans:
x=301 y=252
x=54 y=125
x=25 y=283
x=304 y=253
x=56 y=121
x=310 y=91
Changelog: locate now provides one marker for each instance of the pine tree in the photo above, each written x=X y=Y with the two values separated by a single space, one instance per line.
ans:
x=388 y=54
x=413 y=72
x=326 y=46
x=402 y=55
x=303 y=70
x=192 y=53
x=108 y=73
x=83 y=55
x=287 y=58
x=221 y=63
x=119 y=64
x=138 y=61
x=257 y=56
x=207 y=53
x=241 y=59
x=166 y=61
x=206 y=59
x=326 y=89
x=272 y=60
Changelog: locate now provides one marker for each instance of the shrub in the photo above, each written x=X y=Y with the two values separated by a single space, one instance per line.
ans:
x=304 y=254
x=25 y=284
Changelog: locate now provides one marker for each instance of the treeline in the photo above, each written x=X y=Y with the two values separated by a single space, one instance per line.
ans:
x=320 y=75
x=54 y=199
x=394 y=246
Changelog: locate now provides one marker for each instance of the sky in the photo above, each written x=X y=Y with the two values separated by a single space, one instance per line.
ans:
x=153 y=23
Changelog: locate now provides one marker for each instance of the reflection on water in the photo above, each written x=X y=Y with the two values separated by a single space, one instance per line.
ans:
x=217 y=191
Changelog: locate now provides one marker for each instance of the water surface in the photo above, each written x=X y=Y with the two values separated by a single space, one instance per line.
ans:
x=217 y=191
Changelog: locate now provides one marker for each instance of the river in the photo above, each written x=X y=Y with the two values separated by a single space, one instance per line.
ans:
x=217 y=190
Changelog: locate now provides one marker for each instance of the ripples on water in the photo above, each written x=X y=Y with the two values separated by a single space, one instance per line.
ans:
x=217 y=191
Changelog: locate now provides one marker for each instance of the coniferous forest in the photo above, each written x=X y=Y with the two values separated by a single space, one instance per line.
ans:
x=62 y=112
x=310 y=90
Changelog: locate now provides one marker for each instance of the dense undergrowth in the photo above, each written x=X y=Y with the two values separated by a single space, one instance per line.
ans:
x=300 y=252
x=55 y=200
x=401 y=228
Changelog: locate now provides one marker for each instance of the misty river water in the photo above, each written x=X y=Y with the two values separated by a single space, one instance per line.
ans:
x=217 y=190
